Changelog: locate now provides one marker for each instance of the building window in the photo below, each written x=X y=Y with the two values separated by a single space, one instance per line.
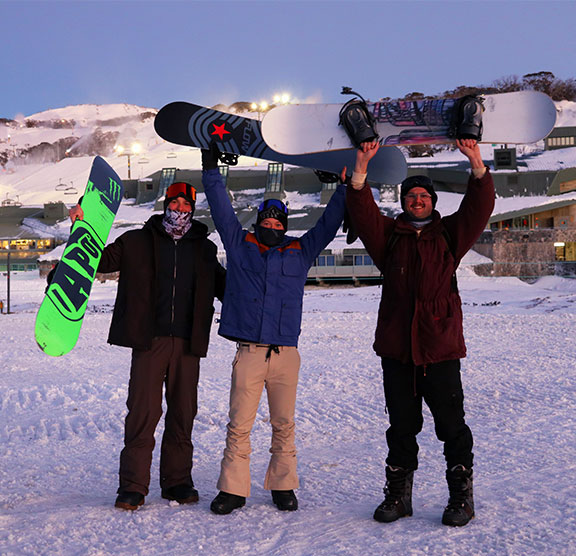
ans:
x=521 y=222
x=167 y=178
x=224 y=169
x=560 y=250
x=274 y=178
x=565 y=250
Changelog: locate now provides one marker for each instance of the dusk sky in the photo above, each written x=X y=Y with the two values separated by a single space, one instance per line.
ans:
x=60 y=53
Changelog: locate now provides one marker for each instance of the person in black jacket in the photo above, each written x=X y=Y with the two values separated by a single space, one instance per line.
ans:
x=169 y=276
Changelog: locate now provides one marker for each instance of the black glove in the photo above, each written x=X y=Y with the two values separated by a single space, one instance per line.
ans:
x=348 y=229
x=210 y=157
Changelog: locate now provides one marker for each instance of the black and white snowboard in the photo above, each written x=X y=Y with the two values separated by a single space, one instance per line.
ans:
x=196 y=126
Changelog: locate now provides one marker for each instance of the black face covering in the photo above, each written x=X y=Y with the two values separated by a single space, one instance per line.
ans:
x=269 y=236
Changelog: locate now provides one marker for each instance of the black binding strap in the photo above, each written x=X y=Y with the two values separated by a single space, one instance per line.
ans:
x=230 y=159
x=327 y=177
x=356 y=119
x=467 y=118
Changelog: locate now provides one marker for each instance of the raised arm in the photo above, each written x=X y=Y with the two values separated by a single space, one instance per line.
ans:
x=468 y=222
x=223 y=214
x=323 y=232
x=370 y=224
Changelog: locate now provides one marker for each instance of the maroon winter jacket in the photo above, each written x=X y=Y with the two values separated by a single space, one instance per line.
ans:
x=420 y=314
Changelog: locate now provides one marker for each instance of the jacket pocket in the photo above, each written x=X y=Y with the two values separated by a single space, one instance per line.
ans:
x=242 y=313
x=293 y=264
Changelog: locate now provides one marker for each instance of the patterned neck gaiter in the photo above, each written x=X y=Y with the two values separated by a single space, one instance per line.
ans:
x=177 y=223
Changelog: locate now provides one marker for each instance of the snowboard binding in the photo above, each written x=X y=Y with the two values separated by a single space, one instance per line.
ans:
x=230 y=159
x=212 y=155
x=467 y=121
x=327 y=177
x=356 y=119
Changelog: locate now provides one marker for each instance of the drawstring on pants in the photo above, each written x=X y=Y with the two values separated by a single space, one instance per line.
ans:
x=272 y=348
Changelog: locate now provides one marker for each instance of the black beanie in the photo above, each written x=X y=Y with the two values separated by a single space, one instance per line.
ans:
x=180 y=189
x=417 y=181
x=273 y=208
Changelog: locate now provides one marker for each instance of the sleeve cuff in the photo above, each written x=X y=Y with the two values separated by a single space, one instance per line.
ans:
x=357 y=181
x=479 y=172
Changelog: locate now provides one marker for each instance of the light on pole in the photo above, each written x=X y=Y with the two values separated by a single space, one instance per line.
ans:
x=135 y=149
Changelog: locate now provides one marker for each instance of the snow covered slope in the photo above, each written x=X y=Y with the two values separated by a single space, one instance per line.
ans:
x=35 y=184
x=61 y=429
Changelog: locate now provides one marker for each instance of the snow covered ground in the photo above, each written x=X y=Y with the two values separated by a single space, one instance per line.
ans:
x=61 y=426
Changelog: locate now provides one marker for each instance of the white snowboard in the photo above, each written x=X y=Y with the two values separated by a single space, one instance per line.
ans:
x=519 y=117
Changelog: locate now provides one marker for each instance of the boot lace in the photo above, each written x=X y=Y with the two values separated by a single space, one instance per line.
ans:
x=458 y=487
x=394 y=488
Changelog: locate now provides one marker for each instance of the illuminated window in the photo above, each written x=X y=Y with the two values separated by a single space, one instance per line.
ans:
x=560 y=250
x=274 y=178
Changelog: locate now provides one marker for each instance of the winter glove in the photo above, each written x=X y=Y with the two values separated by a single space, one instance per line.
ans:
x=210 y=157
x=348 y=229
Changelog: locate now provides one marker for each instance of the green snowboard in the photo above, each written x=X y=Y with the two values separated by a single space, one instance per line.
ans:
x=60 y=315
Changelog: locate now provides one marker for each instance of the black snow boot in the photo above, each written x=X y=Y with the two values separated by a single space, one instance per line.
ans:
x=398 y=490
x=183 y=494
x=460 y=508
x=128 y=500
x=226 y=503
x=285 y=500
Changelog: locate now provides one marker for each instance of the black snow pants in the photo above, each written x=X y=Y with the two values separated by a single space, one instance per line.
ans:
x=439 y=384
x=168 y=363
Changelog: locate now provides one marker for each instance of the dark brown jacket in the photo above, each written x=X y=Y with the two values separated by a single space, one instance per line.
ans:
x=420 y=314
x=136 y=255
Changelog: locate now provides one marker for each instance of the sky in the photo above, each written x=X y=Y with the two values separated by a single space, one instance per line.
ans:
x=60 y=53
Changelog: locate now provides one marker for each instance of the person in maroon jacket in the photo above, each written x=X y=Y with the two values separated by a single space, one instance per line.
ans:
x=419 y=335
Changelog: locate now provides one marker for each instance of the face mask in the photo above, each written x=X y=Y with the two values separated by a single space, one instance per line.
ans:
x=177 y=223
x=270 y=237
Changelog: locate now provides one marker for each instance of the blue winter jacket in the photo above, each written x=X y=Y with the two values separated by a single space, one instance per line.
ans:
x=264 y=286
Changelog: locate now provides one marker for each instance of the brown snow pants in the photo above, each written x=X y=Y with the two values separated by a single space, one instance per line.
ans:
x=251 y=371
x=168 y=362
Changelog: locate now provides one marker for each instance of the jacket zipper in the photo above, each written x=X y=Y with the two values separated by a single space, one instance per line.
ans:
x=416 y=292
x=174 y=286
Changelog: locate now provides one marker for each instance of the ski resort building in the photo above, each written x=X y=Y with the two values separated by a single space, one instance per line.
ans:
x=560 y=138
x=534 y=236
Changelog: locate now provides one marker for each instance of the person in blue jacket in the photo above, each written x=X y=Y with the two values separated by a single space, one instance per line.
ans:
x=262 y=313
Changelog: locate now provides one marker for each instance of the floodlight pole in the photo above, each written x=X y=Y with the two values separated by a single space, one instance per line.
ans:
x=8 y=282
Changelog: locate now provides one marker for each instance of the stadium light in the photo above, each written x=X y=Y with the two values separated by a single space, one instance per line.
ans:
x=135 y=148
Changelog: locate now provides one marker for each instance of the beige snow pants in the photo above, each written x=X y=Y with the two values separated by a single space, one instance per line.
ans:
x=251 y=371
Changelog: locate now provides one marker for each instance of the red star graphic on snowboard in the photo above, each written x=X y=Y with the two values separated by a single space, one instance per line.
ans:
x=220 y=131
